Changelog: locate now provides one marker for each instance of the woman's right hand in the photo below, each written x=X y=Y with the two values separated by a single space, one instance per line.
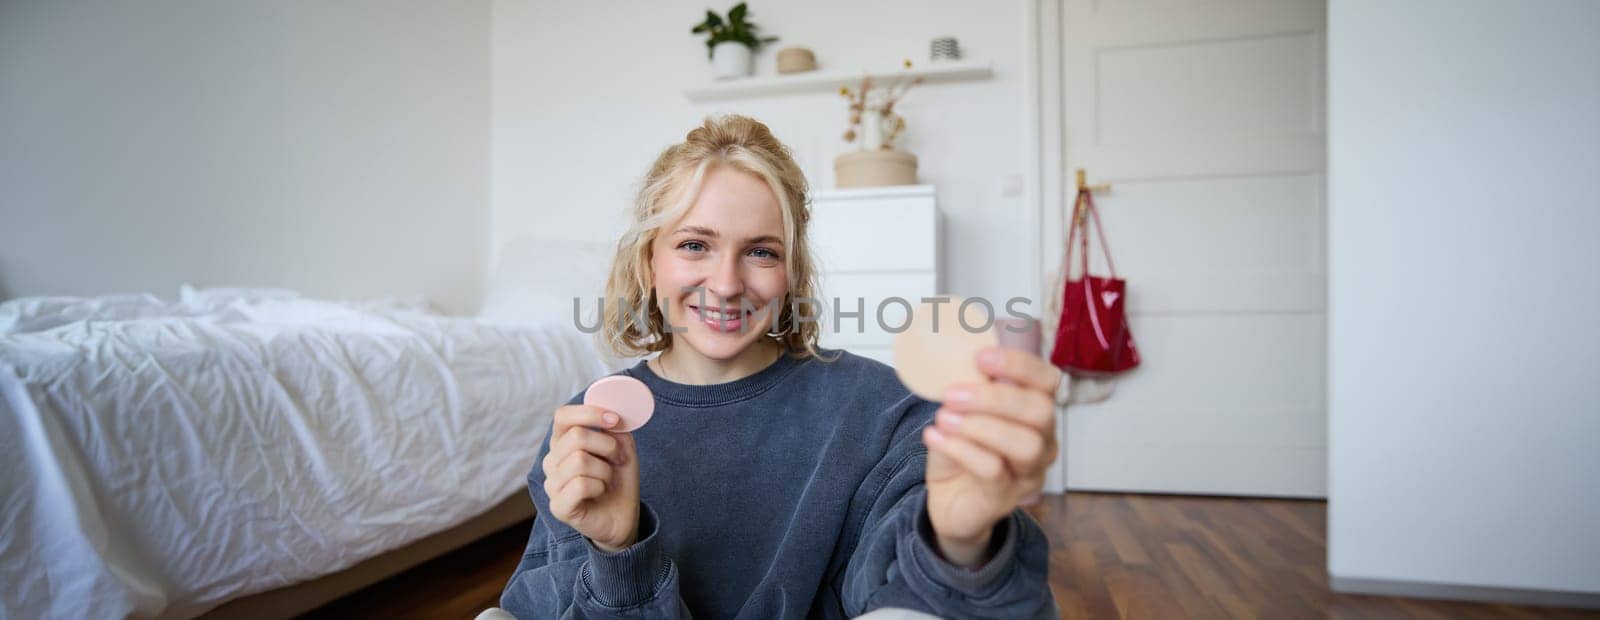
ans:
x=591 y=476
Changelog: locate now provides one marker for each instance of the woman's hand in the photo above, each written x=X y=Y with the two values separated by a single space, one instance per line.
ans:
x=988 y=450
x=592 y=477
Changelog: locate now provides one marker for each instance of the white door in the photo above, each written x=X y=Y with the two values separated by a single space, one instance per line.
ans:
x=1206 y=117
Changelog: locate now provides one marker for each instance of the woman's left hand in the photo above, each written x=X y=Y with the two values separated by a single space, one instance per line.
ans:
x=988 y=450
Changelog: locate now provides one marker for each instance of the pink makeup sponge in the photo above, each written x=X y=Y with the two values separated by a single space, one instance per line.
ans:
x=625 y=396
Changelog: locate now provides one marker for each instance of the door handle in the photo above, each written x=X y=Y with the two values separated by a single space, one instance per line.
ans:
x=1084 y=185
x=1085 y=188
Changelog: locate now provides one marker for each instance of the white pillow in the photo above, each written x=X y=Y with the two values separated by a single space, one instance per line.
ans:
x=537 y=279
x=37 y=314
x=215 y=297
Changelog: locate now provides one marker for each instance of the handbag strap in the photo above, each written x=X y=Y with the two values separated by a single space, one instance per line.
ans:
x=1072 y=223
x=1105 y=243
x=1083 y=209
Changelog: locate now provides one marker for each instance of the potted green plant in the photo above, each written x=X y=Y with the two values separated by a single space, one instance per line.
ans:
x=730 y=44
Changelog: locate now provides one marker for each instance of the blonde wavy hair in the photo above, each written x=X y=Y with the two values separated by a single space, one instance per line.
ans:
x=667 y=192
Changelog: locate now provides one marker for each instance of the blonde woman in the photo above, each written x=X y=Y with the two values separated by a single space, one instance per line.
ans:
x=775 y=480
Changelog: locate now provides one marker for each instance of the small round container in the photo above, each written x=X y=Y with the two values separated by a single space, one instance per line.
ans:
x=796 y=60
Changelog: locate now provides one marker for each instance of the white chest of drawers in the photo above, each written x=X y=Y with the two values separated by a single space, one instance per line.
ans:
x=874 y=245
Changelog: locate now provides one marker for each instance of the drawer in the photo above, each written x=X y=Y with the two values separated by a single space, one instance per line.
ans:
x=880 y=234
x=871 y=289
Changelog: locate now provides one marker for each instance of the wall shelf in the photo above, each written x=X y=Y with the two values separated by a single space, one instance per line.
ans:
x=825 y=81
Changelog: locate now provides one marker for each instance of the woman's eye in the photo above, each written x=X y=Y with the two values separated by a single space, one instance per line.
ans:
x=693 y=246
x=763 y=253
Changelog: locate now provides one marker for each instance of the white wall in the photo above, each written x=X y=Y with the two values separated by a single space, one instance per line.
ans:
x=1464 y=208
x=586 y=94
x=335 y=148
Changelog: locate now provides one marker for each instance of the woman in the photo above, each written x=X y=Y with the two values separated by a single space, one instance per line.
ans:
x=775 y=480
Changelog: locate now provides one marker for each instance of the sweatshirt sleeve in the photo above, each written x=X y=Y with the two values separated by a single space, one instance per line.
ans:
x=895 y=562
x=563 y=575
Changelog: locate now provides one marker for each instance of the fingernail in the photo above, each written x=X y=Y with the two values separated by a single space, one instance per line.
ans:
x=935 y=436
x=958 y=396
x=992 y=358
x=610 y=419
x=949 y=418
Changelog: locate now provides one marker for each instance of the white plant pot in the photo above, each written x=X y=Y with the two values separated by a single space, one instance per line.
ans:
x=731 y=59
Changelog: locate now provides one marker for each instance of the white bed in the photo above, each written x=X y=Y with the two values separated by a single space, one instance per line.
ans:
x=161 y=458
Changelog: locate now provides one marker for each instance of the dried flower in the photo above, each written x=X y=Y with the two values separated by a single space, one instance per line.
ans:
x=884 y=104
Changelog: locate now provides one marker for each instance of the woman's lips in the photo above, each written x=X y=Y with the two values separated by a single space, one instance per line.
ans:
x=717 y=319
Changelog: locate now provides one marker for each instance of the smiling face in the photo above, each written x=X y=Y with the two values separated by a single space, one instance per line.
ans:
x=723 y=258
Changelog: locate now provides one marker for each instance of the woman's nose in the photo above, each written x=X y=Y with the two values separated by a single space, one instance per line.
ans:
x=725 y=281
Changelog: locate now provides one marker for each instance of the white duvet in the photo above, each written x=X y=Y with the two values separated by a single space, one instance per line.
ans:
x=160 y=458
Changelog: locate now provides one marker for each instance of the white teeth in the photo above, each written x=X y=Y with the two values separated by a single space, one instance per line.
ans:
x=719 y=315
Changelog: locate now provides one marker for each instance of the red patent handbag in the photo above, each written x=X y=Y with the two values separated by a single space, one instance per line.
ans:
x=1092 y=337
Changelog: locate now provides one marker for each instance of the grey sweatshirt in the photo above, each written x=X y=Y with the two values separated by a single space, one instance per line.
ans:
x=794 y=492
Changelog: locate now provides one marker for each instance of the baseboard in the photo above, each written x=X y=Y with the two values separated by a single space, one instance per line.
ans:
x=1418 y=589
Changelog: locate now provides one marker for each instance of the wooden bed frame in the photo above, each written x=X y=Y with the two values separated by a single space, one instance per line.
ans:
x=305 y=596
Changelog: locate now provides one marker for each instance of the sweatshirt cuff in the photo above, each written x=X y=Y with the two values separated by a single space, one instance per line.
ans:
x=633 y=574
x=974 y=582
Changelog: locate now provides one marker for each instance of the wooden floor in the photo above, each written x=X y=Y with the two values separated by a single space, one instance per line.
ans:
x=1112 y=555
